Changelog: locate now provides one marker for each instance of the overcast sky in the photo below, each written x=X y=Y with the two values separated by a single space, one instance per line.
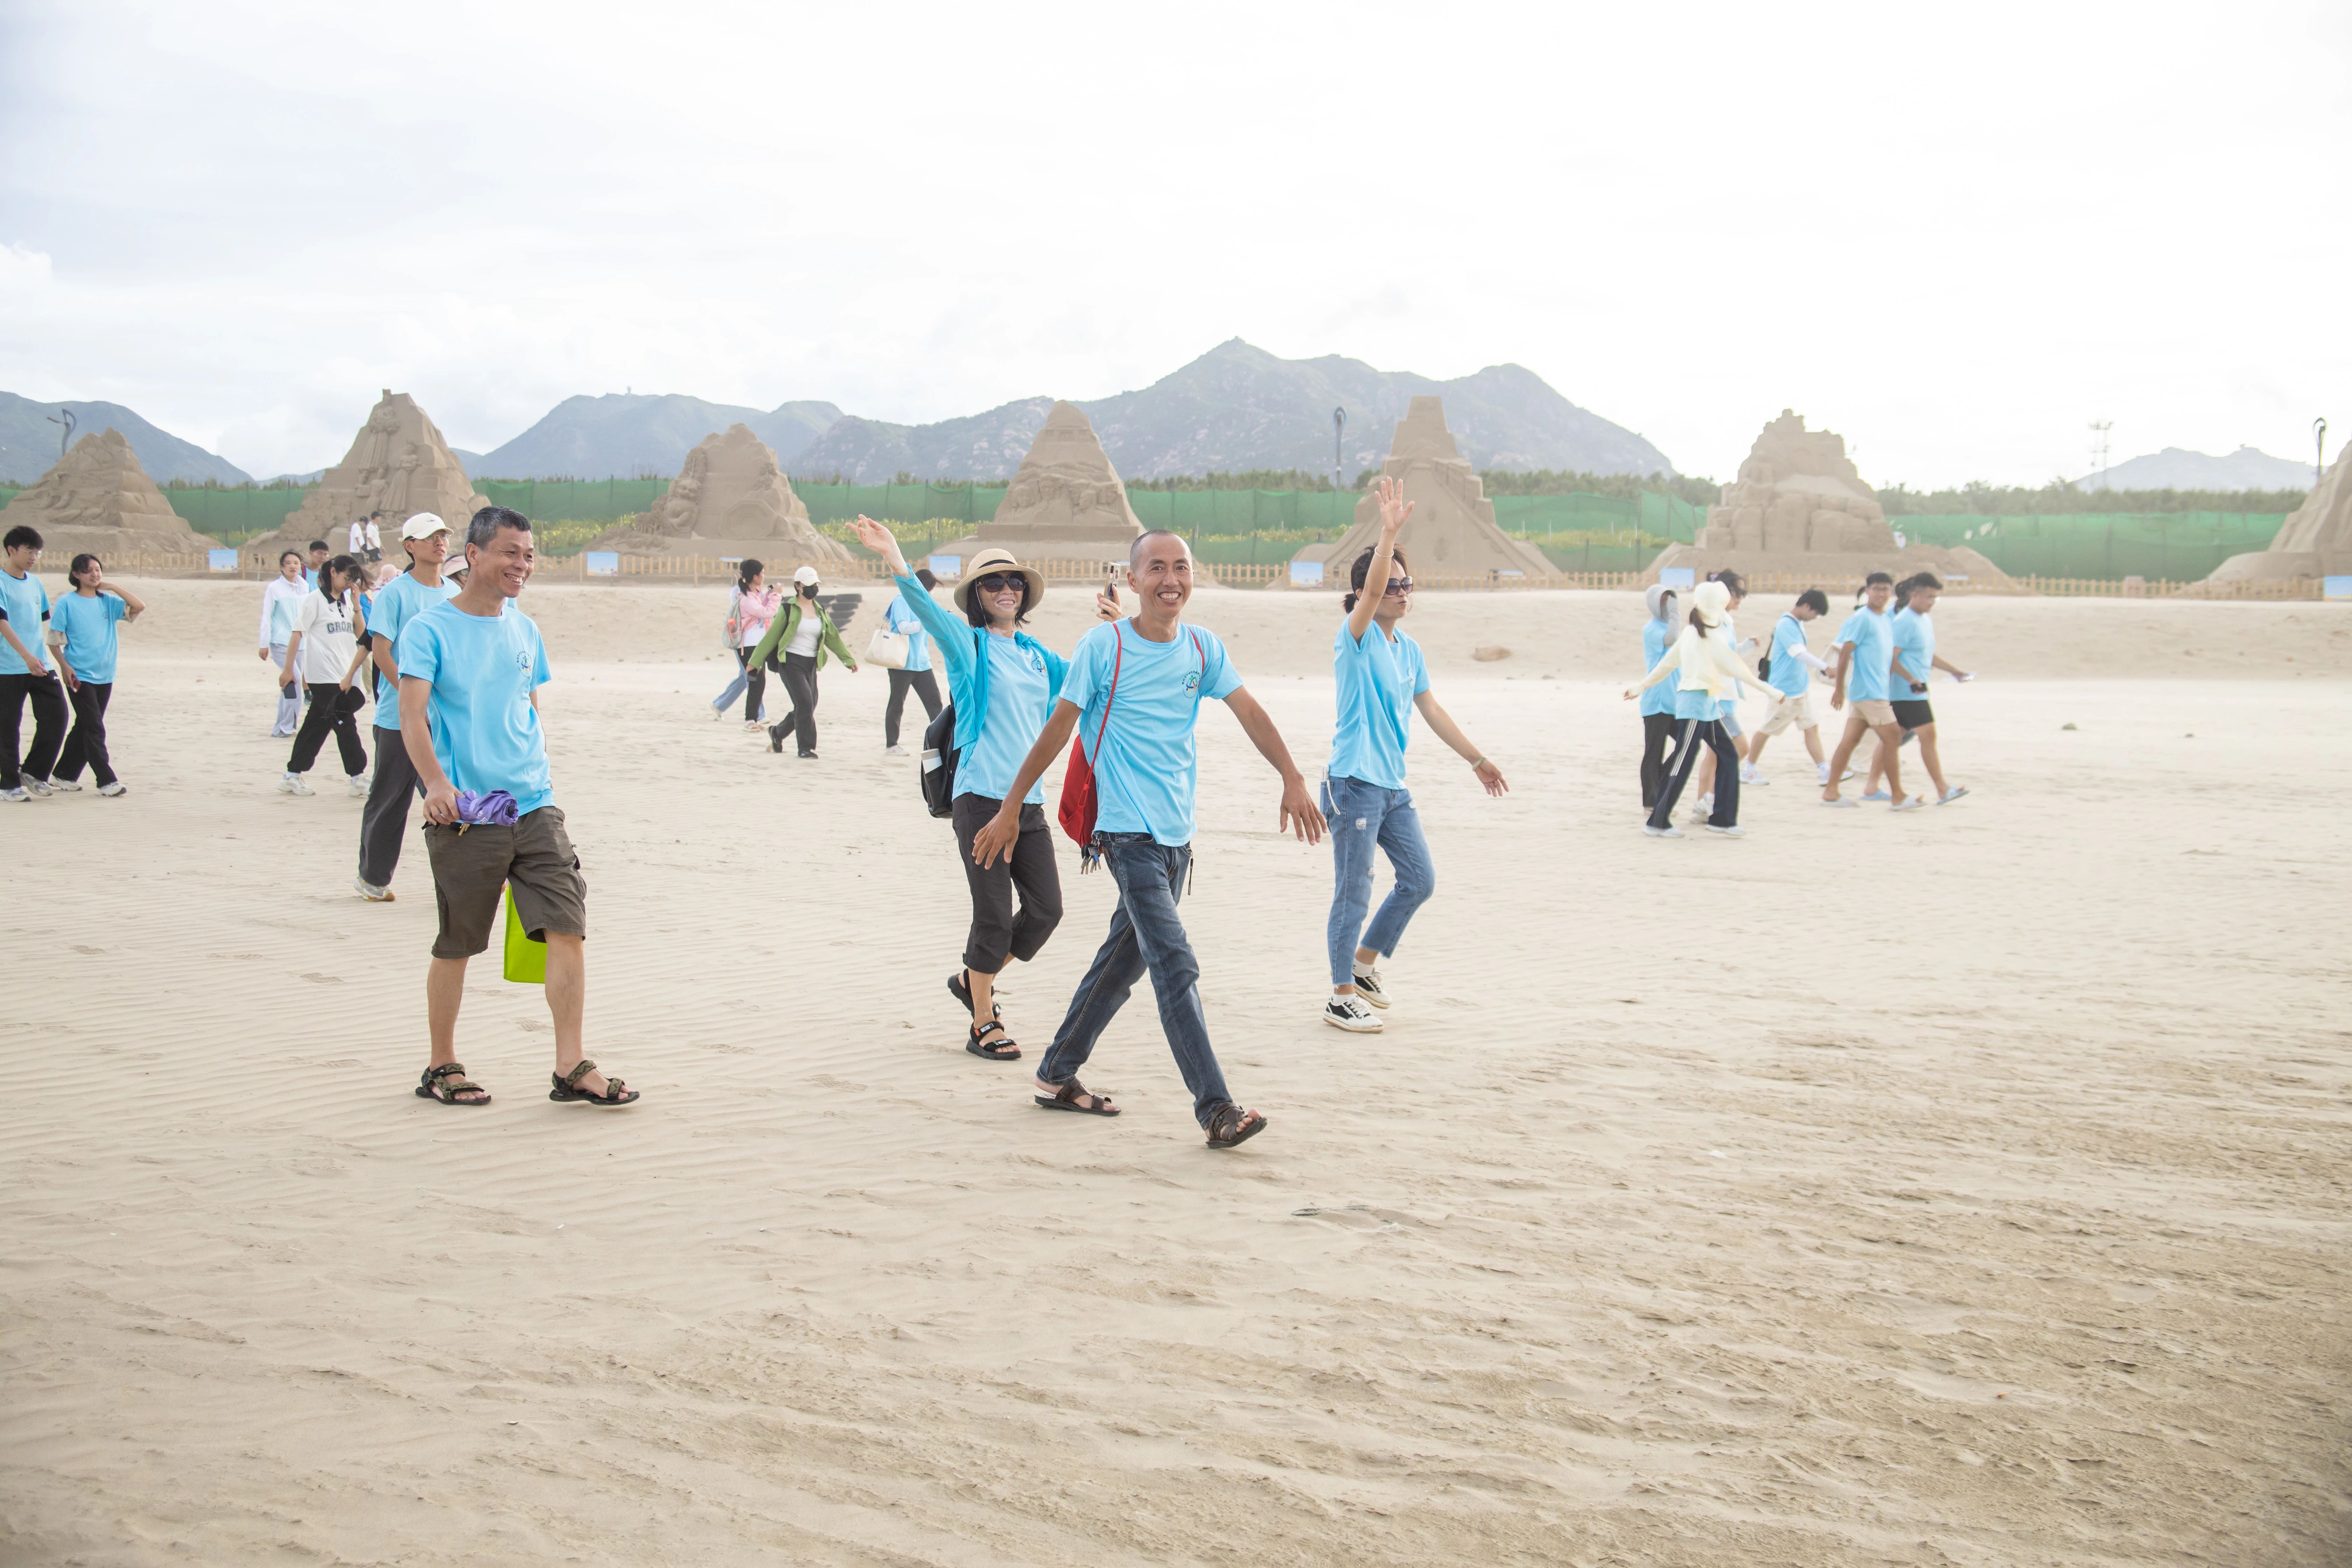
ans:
x=1956 y=234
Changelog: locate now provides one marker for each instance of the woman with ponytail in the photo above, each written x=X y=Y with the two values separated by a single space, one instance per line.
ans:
x=1710 y=673
x=323 y=653
x=750 y=606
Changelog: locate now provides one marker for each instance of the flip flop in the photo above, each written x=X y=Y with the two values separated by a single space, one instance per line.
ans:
x=1952 y=795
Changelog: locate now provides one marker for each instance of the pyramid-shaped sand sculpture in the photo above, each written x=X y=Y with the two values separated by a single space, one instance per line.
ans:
x=729 y=492
x=1798 y=505
x=398 y=465
x=98 y=498
x=1452 y=531
x=1065 y=498
x=2315 y=540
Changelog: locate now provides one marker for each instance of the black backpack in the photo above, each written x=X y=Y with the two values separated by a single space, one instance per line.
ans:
x=939 y=771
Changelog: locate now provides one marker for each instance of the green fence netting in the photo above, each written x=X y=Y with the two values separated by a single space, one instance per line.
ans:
x=2163 y=546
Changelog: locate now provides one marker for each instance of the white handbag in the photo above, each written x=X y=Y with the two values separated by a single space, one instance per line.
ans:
x=887 y=649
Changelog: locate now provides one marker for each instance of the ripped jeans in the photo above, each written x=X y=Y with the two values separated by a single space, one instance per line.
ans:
x=1361 y=815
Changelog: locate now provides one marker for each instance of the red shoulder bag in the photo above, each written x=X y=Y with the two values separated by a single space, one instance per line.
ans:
x=1078 y=810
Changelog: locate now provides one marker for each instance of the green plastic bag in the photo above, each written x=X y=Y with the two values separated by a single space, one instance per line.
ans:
x=525 y=960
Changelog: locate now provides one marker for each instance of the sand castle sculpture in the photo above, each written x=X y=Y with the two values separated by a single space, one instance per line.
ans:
x=398 y=465
x=1452 y=528
x=731 y=494
x=2315 y=540
x=98 y=498
x=1798 y=505
x=1065 y=494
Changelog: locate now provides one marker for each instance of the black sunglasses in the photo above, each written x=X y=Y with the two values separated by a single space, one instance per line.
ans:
x=996 y=583
x=1399 y=586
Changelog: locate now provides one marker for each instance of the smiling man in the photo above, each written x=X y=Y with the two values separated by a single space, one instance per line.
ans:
x=1136 y=685
x=470 y=670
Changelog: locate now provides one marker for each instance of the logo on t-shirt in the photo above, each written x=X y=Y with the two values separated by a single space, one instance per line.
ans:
x=1192 y=681
x=1033 y=659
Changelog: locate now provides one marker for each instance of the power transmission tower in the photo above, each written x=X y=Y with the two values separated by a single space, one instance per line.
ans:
x=2099 y=428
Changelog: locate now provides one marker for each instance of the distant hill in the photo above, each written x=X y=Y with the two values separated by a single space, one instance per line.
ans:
x=28 y=443
x=2176 y=468
x=622 y=435
x=1238 y=407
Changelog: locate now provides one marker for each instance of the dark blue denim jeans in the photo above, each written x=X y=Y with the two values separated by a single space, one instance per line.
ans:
x=1145 y=934
x=1361 y=815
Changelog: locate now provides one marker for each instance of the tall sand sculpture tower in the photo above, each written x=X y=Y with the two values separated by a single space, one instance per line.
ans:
x=98 y=498
x=1452 y=528
x=730 y=498
x=2315 y=540
x=1065 y=498
x=398 y=465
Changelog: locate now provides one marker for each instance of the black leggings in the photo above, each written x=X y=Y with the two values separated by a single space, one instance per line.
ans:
x=87 y=742
x=1690 y=734
x=997 y=932
x=1657 y=745
x=800 y=691
x=325 y=714
x=755 y=684
x=902 y=681
x=48 y=698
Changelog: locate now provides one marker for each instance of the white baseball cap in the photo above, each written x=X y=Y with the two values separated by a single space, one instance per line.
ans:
x=805 y=574
x=423 y=525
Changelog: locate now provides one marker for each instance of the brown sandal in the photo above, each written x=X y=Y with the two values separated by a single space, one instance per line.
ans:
x=1066 y=1097
x=567 y=1086
x=446 y=1082
x=1230 y=1125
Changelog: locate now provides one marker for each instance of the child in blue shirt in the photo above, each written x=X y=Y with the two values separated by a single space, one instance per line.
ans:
x=87 y=618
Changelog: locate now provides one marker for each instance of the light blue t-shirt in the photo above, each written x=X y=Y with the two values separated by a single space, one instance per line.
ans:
x=898 y=617
x=1378 y=681
x=1148 y=768
x=1017 y=700
x=1656 y=638
x=397 y=603
x=88 y=625
x=1913 y=635
x=483 y=669
x=1865 y=679
x=1790 y=676
x=24 y=604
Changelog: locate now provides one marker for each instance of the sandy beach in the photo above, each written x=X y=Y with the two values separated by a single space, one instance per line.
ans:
x=1959 y=1187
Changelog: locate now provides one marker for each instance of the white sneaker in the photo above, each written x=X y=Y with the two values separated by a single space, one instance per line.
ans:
x=1748 y=775
x=1734 y=831
x=1821 y=772
x=718 y=713
x=1661 y=832
x=1350 y=1013
x=1703 y=809
x=39 y=787
x=67 y=786
x=117 y=787
x=896 y=752
x=370 y=891
x=292 y=785
x=19 y=793
x=358 y=787
x=754 y=724
x=1369 y=987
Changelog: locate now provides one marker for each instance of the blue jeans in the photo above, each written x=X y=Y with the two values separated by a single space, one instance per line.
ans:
x=1145 y=933
x=1361 y=815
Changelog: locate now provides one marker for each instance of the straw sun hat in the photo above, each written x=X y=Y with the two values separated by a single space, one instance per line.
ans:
x=992 y=560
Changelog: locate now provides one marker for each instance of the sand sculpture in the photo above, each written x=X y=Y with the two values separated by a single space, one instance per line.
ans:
x=1065 y=494
x=398 y=465
x=730 y=498
x=1798 y=505
x=98 y=498
x=1453 y=528
x=2315 y=540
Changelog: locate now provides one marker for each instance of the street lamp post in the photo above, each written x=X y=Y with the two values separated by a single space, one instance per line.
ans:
x=1338 y=453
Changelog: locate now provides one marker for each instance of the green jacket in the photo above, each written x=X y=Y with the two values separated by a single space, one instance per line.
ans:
x=787 y=622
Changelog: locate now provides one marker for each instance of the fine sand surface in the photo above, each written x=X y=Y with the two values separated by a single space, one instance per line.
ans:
x=1965 y=1186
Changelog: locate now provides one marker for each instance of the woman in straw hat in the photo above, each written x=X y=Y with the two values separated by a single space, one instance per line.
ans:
x=1003 y=683
x=805 y=634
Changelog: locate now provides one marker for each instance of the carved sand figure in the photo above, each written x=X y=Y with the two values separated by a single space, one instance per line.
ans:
x=398 y=464
x=1065 y=494
x=2315 y=540
x=730 y=489
x=1453 y=528
x=98 y=498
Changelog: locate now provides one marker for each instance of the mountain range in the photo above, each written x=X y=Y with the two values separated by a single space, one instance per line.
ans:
x=29 y=442
x=625 y=435
x=2177 y=468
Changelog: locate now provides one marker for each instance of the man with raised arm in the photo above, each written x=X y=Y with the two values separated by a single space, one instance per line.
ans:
x=1133 y=694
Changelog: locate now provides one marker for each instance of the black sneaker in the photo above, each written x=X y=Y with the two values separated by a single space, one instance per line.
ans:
x=1368 y=986
x=1350 y=1013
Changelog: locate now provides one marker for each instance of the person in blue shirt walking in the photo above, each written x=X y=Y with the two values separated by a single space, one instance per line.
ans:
x=1864 y=651
x=1790 y=676
x=1004 y=682
x=1911 y=631
x=1381 y=679
x=1657 y=710
x=1136 y=686
x=915 y=676
x=24 y=674
x=87 y=618
x=383 y=821
x=470 y=670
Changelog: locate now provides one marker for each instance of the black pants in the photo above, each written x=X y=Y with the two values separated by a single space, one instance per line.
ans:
x=1690 y=734
x=997 y=932
x=87 y=742
x=755 y=684
x=799 y=689
x=902 y=681
x=383 y=821
x=48 y=696
x=325 y=714
x=1657 y=745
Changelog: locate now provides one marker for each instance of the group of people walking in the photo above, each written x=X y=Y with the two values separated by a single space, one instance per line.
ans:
x=1698 y=671
x=57 y=657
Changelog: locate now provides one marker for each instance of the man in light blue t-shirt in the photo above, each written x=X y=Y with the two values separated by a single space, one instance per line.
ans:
x=1864 y=648
x=1911 y=632
x=1790 y=676
x=470 y=670
x=383 y=821
x=1133 y=693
